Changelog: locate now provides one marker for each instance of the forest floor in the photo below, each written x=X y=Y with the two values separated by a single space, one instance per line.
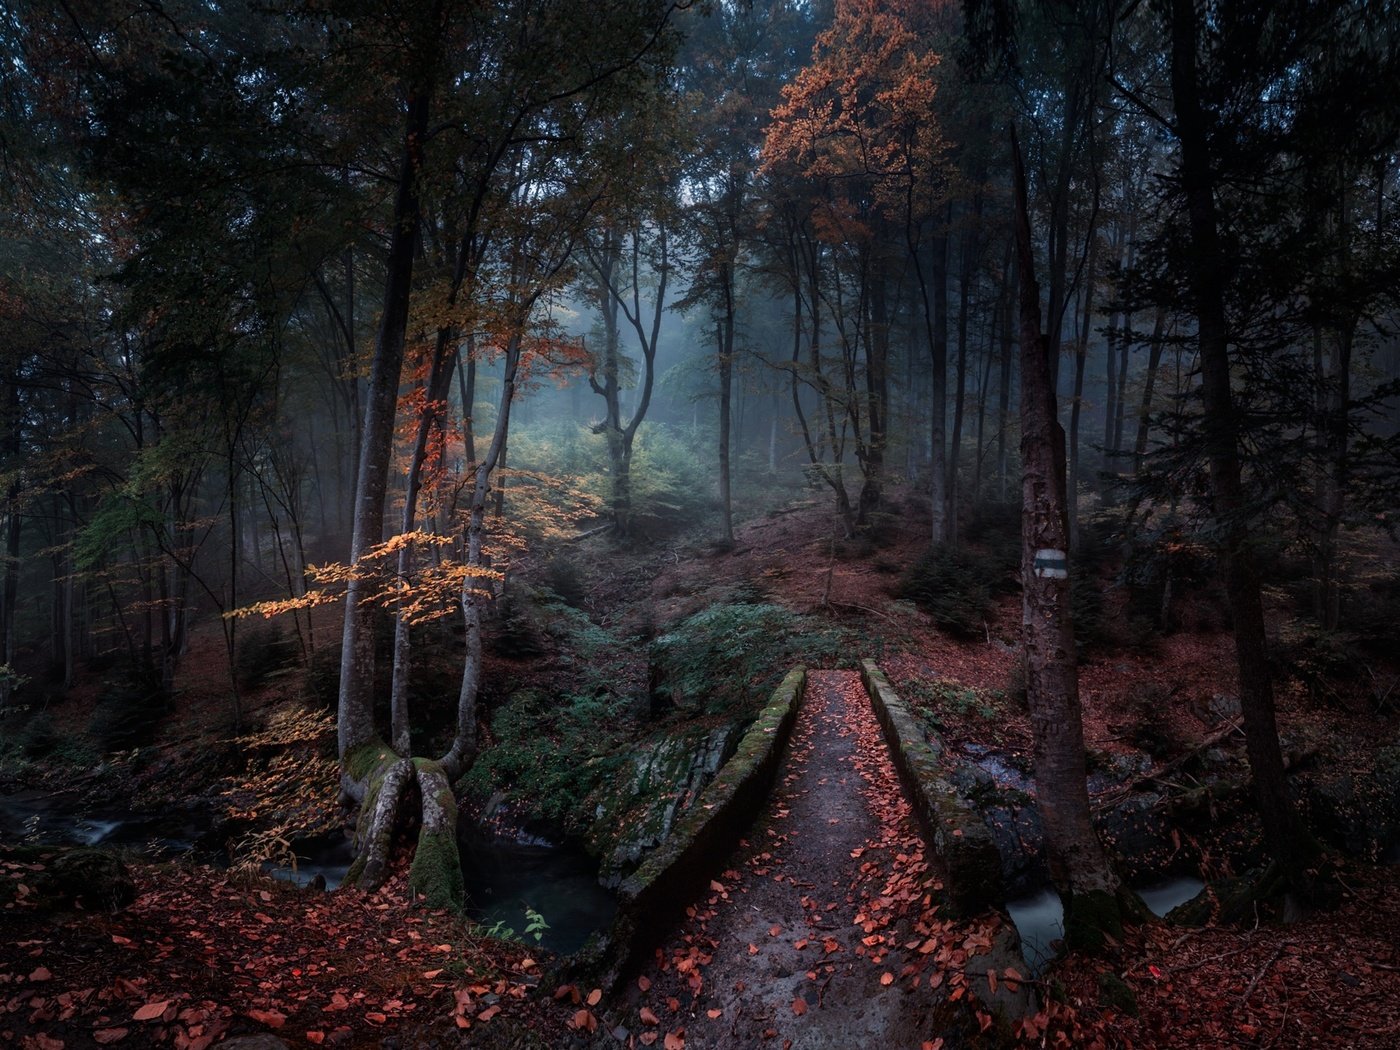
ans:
x=223 y=953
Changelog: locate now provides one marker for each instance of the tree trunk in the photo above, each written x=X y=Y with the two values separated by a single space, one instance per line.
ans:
x=938 y=466
x=355 y=728
x=1207 y=283
x=1077 y=860
x=724 y=337
x=1081 y=351
x=438 y=384
x=1154 y=359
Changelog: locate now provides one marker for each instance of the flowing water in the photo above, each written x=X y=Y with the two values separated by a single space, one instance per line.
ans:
x=1040 y=917
x=504 y=876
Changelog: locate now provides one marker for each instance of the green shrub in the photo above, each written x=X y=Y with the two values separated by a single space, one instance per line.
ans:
x=953 y=586
x=730 y=656
x=550 y=754
x=39 y=736
x=127 y=713
x=670 y=484
x=263 y=651
x=565 y=578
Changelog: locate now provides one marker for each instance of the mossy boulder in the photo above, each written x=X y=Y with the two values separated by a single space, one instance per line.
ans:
x=636 y=812
x=93 y=878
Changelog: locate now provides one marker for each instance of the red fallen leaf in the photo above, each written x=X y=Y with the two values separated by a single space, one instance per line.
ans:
x=595 y=997
x=753 y=949
x=566 y=990
x=584 y=1019
x=647 y=1016
x=1155 y=972
x=992 y=981
x=773 y=931
x=932 y=1044
x=316 y=1037
x=45 y=1042
x=675 y=1040
x=488 y=1013
x=41 y=974
x=644 y=983
x=103 y=1036
x=887 y=978
x=799 y=1006
x=717 y=887
x=713 y=1014
x=119 y=939
x=150 y=1011
x=375 y=1018
x=271 y=1018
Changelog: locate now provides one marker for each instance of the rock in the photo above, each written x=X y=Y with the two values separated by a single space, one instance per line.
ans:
x=1136 y=831
x=261 y=1041
x=1224 y=708
x=1116 y=992
x=1007 y=1004
x=651 y=792
x=93 y=877
x=1222 y=902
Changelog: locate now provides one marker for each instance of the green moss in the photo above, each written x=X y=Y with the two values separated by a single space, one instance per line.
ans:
x=436 y=872
x=1091 y=919
x=364 y=760
x=1116 y=993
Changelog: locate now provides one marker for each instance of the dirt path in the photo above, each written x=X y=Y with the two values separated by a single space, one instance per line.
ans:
x=821 y=931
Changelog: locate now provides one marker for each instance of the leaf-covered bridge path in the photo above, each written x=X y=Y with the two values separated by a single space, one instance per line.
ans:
x=823 y=931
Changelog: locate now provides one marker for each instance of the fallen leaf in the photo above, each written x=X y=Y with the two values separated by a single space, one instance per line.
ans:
x=276 y=1019
x=675 y=1041
x=428 y=975
x=41 y=974
x=375 y=1017
x=647 y=1038
x=799 y=1006
x=488 y=1013
x=644 y=983
x=645 y=1013
x=887 y=978
x=104 y=1036
x=150 y=1011
x=712 y=1014
x=316 y=1037
x=595 y=997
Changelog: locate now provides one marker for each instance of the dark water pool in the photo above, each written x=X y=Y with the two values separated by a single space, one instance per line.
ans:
x=504 y=878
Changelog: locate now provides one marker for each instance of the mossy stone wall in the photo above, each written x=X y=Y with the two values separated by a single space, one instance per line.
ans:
x=679 y=869
x=953 y=829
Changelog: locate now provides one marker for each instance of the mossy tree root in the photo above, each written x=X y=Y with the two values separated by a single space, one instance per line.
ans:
x=378 y=817
x=436 y=872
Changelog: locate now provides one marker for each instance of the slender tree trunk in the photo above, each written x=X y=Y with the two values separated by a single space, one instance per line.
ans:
x=1008 y=342
x=1081 y=351
x=439 y=382
x=355 y=714
x=1208 y=281
x=1154 y=360
x=1077 y=860
x=724 y=337
x=943 y=528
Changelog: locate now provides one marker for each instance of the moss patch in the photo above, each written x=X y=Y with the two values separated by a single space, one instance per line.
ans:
x=1091 y=919
x=436 y=872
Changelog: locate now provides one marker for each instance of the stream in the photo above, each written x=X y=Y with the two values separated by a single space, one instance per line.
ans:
x=1040 y=916
x=503 y=876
